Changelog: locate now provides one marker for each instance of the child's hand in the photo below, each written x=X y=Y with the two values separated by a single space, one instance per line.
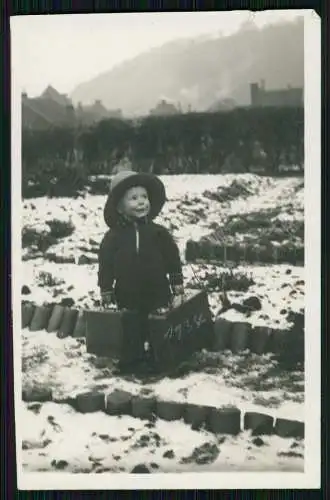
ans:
x=107 y=300
x=162 y=310
x=178 y=290
x=178 y=296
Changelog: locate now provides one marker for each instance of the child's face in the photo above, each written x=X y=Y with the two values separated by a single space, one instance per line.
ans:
x=135 y=202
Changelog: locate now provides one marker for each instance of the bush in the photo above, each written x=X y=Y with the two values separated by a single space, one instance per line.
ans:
x=253 y=220
x=47 y=279
x=228 y=193
x=41 y=240
x=53 y=178
x=231 y=280
x=57 y=162
x=60 y=229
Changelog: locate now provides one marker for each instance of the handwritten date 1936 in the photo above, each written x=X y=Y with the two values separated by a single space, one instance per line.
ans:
x=176 y=332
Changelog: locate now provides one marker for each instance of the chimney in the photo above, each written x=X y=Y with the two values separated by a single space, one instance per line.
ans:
x=70 y=112
x=254 y=90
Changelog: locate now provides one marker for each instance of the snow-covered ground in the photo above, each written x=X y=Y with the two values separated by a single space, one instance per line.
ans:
x=58 y=438
x=248 y=381
x=279 y=288
x=193 y=221
x=239 y=380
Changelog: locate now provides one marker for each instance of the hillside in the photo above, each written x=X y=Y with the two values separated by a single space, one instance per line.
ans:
x=201 y=71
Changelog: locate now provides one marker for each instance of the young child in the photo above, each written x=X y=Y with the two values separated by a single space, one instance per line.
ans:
x=139 y=262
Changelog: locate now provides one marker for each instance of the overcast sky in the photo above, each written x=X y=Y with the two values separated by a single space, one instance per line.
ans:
x=65 y=50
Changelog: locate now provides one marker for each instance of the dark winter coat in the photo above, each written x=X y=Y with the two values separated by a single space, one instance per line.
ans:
x=143 y=262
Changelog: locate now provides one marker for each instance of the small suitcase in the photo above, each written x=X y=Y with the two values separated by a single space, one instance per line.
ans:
x=112 y=334
x=174 y=335
x=182 y=331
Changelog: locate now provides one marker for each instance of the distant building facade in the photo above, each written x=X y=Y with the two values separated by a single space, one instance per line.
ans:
x=47 y=110
x=52 y=94
x=95 y=112
x=164 y=108
x=54 y=109
x=289 y=96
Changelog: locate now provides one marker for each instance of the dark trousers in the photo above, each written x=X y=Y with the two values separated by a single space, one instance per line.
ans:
x=136 y=333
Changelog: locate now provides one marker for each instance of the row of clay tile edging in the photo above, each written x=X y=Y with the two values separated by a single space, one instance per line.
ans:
x=234 y=336
x=209 y=252
x=65 y=321
x=226 y=420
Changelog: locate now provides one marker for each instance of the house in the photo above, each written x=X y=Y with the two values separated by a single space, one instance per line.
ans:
x=54 y=109
x=99 y=110
x=289 y=96
x=52 y=94
x=164 y=108
x=88 y=115
x=44 y=112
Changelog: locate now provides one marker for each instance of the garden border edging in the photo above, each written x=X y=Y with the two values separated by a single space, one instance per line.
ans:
x=226 y=420
x=235 y=336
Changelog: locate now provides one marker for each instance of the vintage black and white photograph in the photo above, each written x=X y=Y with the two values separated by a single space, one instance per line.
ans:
x=166 y=249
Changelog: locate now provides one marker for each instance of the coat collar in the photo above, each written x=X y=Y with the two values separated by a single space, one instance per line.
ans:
x=123 y=221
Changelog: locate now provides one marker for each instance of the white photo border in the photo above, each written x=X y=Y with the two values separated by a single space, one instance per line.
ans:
x=310 y=478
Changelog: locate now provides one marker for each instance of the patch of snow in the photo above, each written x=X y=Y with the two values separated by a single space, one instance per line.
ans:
x=276 y=289
x=103 y=443
x=66 y=367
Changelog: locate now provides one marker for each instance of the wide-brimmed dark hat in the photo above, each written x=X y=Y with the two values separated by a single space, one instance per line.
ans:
x=123 y=181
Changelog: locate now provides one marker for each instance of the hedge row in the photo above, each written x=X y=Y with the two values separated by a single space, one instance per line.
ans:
x=234 y=141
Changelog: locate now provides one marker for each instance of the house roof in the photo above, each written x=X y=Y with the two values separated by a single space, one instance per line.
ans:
x=34 y=118
x=164 y=107
x=52 y=93
x=97 y=110
x=53 y=108
x=49 y=110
